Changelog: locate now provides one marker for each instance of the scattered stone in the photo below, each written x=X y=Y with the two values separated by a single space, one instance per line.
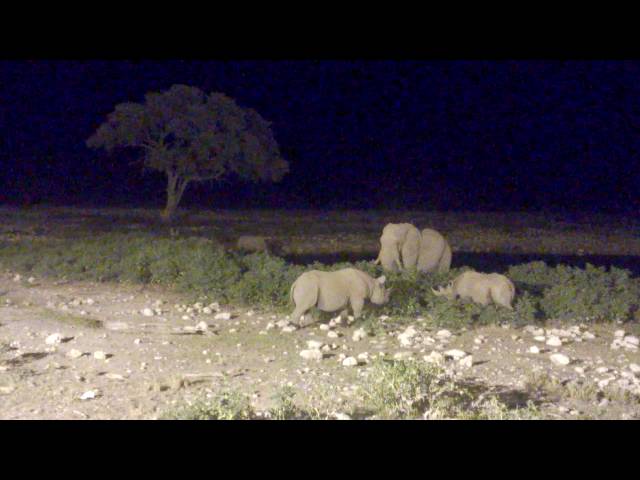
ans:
x=312 y=354
x=90 y=394
x=289 y=329
x=406 y=337
x=534 y=349
x=540 y=338
x=466 y=362
x=74 y=353
x=333 y=334
x=359 y=334
x=17 y=277
x=364 y=357
x=554 y=341
x=635 y=368
x=99 y=355
x=602 y=370
x=631 y=340
x=560 y=359
x=342 y=416
x=324 y=327
x=202 y=327
x=53 y=339
x=349 y=362
x=384 y=317
x=207 y=311
x=455 y=354
x=147 y=312
x=619 y=334
x=443 y=334
x=588 y=336
x=114 y=376
x=314 y=344
x=222 y=316
x=579 y=370
x=137 y=341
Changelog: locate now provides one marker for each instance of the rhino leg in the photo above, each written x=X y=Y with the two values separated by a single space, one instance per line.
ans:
x=303 y=301
x=410 y=251
x=445 y=261
x=357 y=304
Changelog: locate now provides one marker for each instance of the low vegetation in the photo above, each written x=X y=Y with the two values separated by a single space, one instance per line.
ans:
x=205 y=269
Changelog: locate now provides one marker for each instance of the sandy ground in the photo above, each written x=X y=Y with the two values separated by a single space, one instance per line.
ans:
x=153 y=364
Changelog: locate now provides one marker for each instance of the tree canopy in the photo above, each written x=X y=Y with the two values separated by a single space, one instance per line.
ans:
x=191 y=136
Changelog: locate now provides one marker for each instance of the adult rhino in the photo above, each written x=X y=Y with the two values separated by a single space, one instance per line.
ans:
x=481 y=288
x=333 y=291
x=399 y=239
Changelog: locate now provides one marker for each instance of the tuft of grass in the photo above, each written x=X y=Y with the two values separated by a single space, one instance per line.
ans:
x=228 y=405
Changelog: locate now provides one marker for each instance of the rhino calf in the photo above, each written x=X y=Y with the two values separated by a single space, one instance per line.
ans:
x=399 y=239
x=333 y=291
x=256 y=244
x=482 y=288
x=435 y=252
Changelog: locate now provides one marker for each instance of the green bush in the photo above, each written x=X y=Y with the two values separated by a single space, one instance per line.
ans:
x=204 y=268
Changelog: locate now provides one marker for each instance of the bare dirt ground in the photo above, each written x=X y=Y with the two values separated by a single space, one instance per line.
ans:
x=147 y=365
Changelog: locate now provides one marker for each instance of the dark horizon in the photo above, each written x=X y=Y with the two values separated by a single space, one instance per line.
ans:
x=431 y=135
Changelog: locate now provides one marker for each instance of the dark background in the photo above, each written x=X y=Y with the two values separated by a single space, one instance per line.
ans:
x=491 y=135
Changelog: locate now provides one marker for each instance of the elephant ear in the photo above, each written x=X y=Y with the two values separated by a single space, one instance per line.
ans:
x=382 y=279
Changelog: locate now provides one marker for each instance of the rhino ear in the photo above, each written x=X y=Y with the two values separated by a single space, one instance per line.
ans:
x=382 y=279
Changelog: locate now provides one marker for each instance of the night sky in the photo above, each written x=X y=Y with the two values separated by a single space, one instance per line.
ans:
x=507 y=135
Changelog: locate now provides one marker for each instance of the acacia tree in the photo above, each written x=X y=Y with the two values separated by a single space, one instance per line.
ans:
x=190 y=137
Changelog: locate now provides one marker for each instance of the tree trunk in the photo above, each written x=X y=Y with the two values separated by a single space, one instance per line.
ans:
x=175 y=189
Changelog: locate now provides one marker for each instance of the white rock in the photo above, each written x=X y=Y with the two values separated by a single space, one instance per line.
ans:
x=359 y=334
x=602 y=370
x=99 y=355
x=554 y=342
x=349 y=362
x=324 y=327
x=342 y=416
x=202 y=327
x=147 y=312
x=114 y=376
x=313 y=354
x=53 y=339
x=579 y=370
x=588 y=336
x=332 y=334
x=619 y=334
x=207 y=311
x=270 y=325
x=222 y=316
x=631 y=340
x=364 y=357
x=289 y=329
x=634 y=367
x=455 y=354
x=17 y=277
x=137 y=341
x=90 y=394
x=540 y=338
x=314 y=344
x=90 y=301
x=384 y=317
x=560 y=359
x=534 y=349
x=443 y=334
x=282 y=323
x=466 y=362
x=74 y=353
